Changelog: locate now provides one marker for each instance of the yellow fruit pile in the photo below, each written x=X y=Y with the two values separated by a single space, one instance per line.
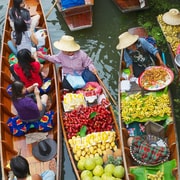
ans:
x=137 y=108
x=72 y=101
x=170 y=32
x=94 y=144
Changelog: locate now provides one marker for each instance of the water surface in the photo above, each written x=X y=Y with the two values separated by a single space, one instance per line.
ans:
x=99 y=42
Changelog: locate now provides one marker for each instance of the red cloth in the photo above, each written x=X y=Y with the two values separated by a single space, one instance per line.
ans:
x=36 y=78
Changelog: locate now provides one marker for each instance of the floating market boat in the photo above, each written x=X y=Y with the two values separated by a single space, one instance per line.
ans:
x=171 y=32
x=77 y=14
x=147 y=123
x=12 y=145
x=131 y=5
x=90 y=129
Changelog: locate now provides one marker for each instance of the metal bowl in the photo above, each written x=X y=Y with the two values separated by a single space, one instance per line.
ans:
x=177 y=60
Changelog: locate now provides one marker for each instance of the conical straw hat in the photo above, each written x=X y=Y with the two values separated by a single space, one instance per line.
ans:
x=126 y=39
x=172 y=17
x=67 y=43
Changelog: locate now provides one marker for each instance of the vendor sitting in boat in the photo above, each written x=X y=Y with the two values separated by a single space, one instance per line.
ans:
x=73 y=61
x=138 y=53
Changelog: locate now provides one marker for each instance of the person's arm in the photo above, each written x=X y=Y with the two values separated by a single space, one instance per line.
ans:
x=87 y=61
x=38 y=98
x=36 y=177
x=31 y=88
x=151 y=49
x=52 y=58
x=33 y=38
x=129 y=63
x=160 y=62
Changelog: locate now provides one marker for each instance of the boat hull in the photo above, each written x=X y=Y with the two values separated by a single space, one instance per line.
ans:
x=12 y=145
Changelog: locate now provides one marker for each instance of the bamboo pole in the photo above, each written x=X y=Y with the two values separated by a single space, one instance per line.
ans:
x=56 y=1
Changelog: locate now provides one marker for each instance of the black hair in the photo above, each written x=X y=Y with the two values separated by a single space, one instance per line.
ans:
x=17 y=87
x=20 y=166
x=20 y=28
x=24 y=60
x=16 y=9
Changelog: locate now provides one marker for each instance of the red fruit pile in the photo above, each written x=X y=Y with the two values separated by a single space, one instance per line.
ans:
x=96 y=118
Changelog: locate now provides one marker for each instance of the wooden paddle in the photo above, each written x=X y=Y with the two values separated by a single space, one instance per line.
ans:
x=56 y=1
x=99 y=79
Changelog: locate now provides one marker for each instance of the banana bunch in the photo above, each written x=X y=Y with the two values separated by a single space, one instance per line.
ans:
x=94 y=144
x=158 y=176
x=135 y=107
x=170 y=32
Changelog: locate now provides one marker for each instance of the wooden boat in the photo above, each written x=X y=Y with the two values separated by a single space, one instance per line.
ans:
x=78 y=17
x=12 y=145
x=73 y=120
x=149 y=128
x=171 y=38
x=131 y=5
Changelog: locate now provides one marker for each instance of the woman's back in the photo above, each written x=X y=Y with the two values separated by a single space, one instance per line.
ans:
x=27 y=69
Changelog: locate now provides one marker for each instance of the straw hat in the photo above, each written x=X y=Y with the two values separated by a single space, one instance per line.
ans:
x=67 y=43
x=126 y=39
x=172 y=17
x=45 y=150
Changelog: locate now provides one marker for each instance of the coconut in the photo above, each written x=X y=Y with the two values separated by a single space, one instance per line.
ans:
x=107 y=153
x=117 y=153
x=129 y=141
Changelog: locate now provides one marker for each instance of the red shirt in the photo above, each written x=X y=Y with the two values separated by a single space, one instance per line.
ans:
x=35 y=76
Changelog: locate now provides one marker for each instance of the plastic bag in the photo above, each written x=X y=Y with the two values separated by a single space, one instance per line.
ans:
x=76 y=81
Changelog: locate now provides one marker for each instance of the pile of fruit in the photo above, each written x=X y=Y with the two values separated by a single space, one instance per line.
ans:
x=73 y=101
x=95 y=169
x=94 y=144
x=170 y=32
x=140 y=108
x=96 y=118
x=159 y=176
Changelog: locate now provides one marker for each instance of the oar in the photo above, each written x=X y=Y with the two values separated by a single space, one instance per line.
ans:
x=99 y=79
x=56 y=1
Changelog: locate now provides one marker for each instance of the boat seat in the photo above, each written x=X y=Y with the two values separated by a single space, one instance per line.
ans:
x=125 y=136
x=171 y=136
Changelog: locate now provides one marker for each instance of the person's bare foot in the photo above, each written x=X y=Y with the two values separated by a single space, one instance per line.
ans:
x=53 y=165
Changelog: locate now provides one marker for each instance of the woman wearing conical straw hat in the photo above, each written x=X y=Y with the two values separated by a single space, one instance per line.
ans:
x=138 y=53
x=72 y=60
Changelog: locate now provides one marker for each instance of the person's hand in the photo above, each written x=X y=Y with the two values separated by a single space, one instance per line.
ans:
x=130 y=76
x=36 y=91
x=162 y=64
x=40 y=54
x=94 y=71
x=35 y=85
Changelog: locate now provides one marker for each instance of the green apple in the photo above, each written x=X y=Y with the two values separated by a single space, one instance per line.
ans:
x=109 y=168
x=98 y=170
x=86 y=173
x=80 y=164
x=98 y=160
x=89 y=164
x=118 y=171
x=96 y=178
x=106 y=176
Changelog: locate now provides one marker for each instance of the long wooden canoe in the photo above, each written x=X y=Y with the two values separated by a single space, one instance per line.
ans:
x=93 y=143
x=11 y=145
x=131 y=5
x=171 y=33
x=147 y=126
x=78 y=17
